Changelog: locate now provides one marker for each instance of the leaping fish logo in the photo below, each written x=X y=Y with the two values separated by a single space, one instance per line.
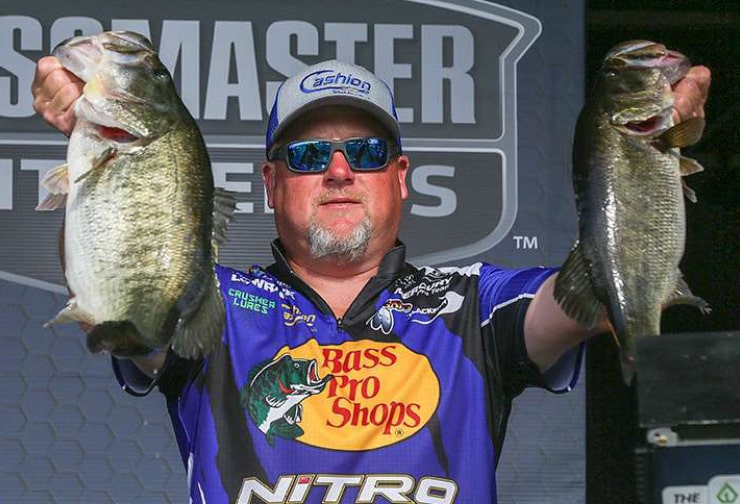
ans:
x=274 y=393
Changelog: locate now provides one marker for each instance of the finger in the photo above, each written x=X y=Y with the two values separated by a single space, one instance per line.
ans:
x=55 y=91
x=690 y=94
x=58 y=111
x=45 y=67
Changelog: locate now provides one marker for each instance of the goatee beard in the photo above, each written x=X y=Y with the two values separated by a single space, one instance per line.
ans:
x=343 y=249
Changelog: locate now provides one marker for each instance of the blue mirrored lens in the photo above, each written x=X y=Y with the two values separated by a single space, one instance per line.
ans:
x=366 y=153
x=309 y=156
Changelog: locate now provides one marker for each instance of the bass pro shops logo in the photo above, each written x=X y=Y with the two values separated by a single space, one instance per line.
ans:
x=352 y=397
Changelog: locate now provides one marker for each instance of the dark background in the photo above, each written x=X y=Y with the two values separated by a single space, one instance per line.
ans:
x=708 y=31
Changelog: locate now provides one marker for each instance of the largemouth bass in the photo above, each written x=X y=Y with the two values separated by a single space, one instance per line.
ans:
x=142 y=217
x=627 y=177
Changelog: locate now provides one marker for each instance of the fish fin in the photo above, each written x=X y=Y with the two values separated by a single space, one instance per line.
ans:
x=688 y=192
x=573 y=289
x=613 y=332
x=286 y=430
x=198 y=332
x=52 y=202
x=224 y=205
x=629 y=367
x=120 y=338
x=626 y=356
x=257 y=369
x=683 y=134
x=688 y=166
x=683 y=295
x=97 y=162
x=56 y=181
x=71 y=313
x=274 y=402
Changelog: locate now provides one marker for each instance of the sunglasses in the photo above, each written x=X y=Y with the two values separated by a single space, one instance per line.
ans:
x=313 y=156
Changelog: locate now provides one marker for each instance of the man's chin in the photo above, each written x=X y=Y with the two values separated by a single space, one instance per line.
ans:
x=341 y=243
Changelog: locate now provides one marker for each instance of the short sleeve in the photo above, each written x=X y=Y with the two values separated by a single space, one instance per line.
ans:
x=505 y=296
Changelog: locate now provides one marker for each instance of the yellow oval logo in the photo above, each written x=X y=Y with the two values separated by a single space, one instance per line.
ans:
x=373 y=399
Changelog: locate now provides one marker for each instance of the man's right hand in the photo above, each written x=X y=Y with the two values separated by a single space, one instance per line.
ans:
x=54 y=92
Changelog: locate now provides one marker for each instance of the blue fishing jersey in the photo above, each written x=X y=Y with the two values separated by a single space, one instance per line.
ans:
x=404 y=399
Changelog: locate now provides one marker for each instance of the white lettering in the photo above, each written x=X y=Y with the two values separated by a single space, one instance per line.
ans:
x=393 y=488
x=233 y=42
x=435 y=491
x=15 y=90
x=434 y=73
x=447 y=197
x=385 y=64
x=281 y=35
x=300 y=489
x=221 y=178
x=254 y=487
x=389 y=487
x=6 y=184
x=263 y=284
x=441 y=65
x=180 y=42
x=345 y=36
x=336 y=485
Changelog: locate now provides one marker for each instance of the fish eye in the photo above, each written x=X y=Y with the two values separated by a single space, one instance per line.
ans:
x=161 y=73
x=611 y=72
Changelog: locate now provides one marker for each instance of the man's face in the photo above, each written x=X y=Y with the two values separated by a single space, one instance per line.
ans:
x=339 y=207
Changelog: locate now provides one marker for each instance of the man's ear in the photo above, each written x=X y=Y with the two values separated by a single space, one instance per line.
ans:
x=269 y=179
x=402 y=168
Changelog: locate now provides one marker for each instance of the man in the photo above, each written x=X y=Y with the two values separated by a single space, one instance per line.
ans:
x=346 y=374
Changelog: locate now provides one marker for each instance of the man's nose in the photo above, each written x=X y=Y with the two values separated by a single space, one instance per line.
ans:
x=339 y=169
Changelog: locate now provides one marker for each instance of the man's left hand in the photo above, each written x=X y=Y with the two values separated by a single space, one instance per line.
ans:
x=690 y=94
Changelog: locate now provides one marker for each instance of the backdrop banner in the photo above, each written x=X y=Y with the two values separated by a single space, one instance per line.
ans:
x=487 y=95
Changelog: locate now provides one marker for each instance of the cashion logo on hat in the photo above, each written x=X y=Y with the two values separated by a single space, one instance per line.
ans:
x=367 y=403
x=326 y=80
x=331 y=82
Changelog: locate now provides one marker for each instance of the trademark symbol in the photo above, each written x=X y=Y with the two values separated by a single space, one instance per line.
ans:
x=398 y=432
x=526 y=242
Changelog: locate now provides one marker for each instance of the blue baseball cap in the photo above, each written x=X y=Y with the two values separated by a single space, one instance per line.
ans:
x=332 y=83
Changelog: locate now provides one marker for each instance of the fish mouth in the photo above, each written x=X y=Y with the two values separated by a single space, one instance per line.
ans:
x=314 y=384
x=648 y=126
x=106 y=126
x=117 y=135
